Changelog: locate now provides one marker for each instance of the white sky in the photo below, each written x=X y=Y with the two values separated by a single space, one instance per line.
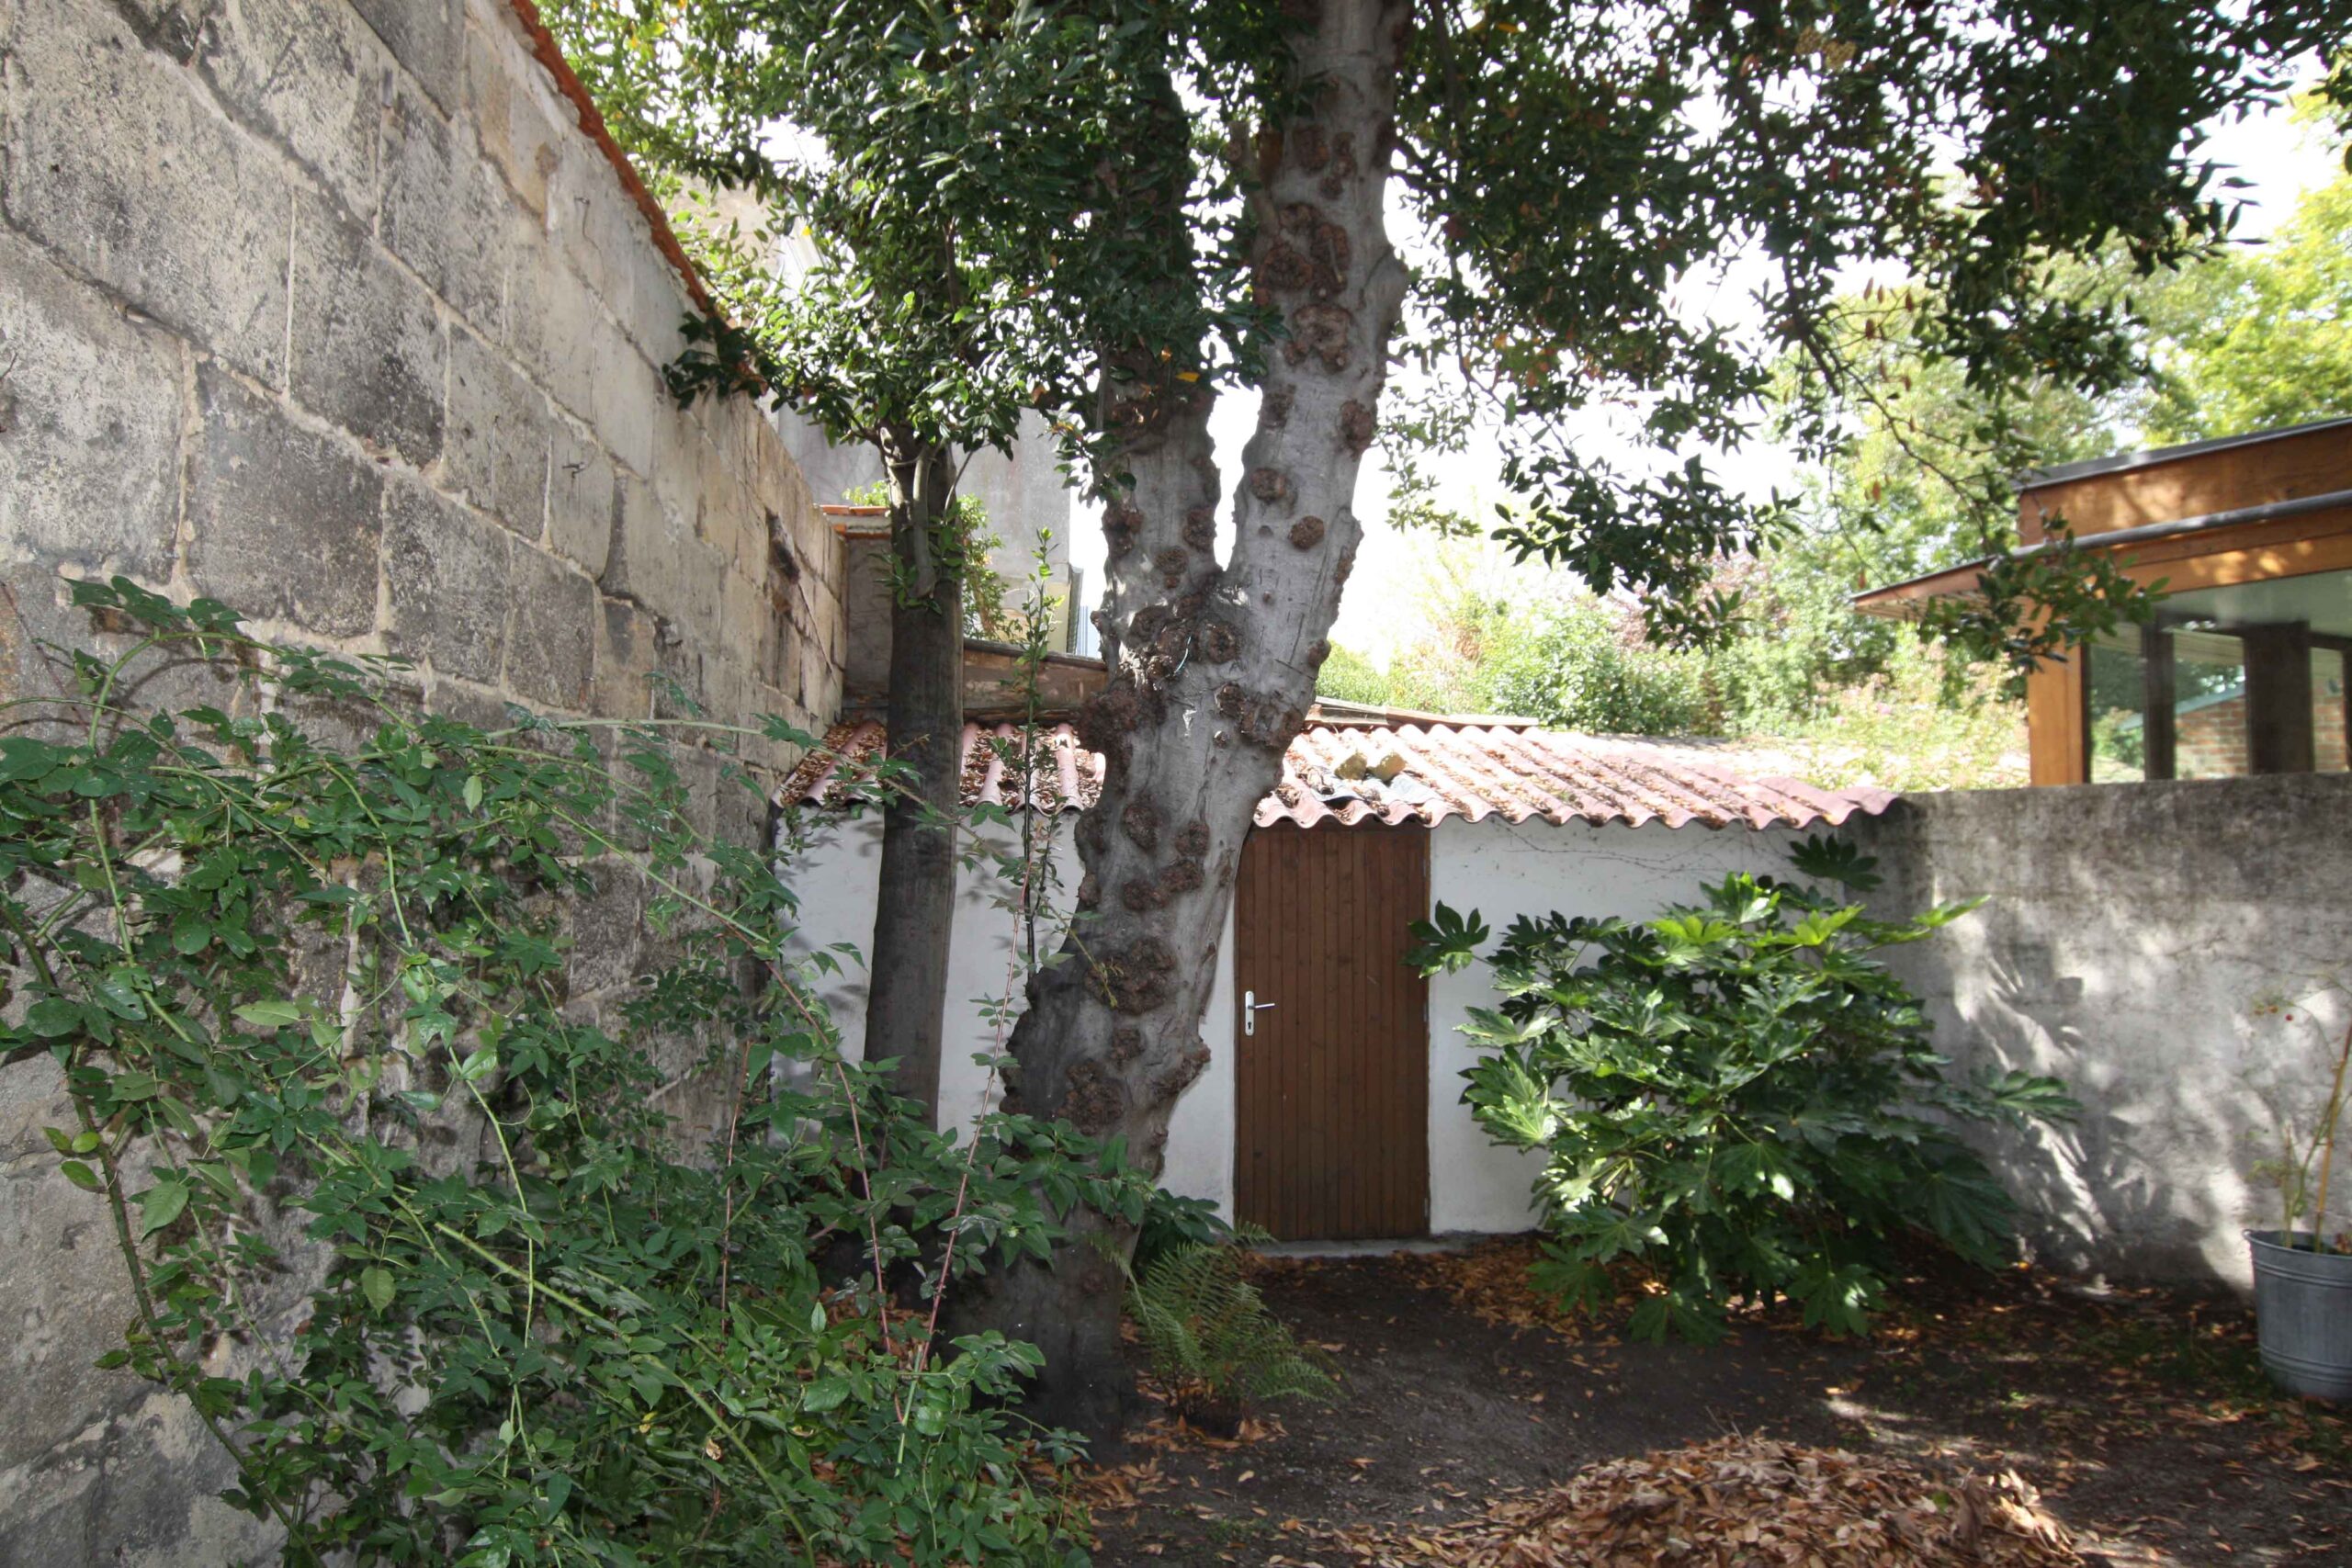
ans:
x=2280 y=159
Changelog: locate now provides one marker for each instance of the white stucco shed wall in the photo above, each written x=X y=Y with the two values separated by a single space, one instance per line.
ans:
x=1501 y=870
x=835 y=870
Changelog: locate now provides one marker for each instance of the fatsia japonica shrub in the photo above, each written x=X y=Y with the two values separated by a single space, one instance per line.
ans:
x=1735 y=1099
x=404 y=1211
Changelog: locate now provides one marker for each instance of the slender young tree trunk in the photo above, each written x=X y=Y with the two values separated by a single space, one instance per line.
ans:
x=915 y=904
x=1212 y=669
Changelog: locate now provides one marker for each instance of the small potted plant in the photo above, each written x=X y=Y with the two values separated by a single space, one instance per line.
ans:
x=2302 y=1271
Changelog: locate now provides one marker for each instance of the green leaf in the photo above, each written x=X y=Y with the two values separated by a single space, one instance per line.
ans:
x=376 y=1284
x=1757 y=1167
x=160 y=1205
x=191 y=934
x=270 y=1015
x=54 y=1016
x=81 y=1176
x=1838 y=1300
x=825 y=1394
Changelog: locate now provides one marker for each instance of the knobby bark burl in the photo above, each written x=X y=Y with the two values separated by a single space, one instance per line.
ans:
x=1213 y=667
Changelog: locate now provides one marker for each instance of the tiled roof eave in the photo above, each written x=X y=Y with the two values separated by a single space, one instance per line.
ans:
x=1352 y=776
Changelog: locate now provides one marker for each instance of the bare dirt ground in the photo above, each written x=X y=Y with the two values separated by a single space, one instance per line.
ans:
x=2141 y=1419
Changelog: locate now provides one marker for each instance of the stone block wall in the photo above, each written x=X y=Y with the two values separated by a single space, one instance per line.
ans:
x=335 y=310
x=2129 y=934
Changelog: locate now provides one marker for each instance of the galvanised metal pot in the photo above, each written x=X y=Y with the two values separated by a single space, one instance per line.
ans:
x=2302 y=1308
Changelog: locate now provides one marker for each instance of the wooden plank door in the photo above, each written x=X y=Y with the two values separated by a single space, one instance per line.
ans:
x=1331 y=1104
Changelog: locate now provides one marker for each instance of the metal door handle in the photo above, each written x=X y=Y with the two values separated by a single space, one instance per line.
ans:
x=1250 y=1008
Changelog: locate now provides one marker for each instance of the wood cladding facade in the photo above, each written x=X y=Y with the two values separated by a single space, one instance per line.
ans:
x=1332 y=1098
x=2291 y=466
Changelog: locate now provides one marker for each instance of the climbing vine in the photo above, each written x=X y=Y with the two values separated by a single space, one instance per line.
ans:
x=463 y=1258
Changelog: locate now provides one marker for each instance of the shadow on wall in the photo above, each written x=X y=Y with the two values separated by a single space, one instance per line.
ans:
x=2132 y=935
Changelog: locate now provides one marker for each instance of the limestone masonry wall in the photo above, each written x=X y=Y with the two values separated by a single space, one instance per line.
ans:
x=335 y=312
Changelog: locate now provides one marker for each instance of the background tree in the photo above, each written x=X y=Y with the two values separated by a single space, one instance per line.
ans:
x=1580 y=169
x=2261 y=336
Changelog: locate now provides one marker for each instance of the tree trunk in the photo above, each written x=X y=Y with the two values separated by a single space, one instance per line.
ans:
x=1212 y=671
x=915 y=902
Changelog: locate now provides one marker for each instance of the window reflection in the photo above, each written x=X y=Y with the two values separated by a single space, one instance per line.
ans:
x=2210 y=733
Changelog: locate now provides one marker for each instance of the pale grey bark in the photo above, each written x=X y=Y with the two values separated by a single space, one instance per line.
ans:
x=1212 y=668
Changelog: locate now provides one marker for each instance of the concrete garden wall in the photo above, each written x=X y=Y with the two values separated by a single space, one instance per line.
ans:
x=337 y=313
x=2131 y=931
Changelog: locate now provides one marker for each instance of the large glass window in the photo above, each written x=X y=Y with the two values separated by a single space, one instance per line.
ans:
x=2244 y=678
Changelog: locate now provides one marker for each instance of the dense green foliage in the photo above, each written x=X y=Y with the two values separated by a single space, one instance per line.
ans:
x=406 y=1219
x=1735 y=1097
x=986 y=188
x=1591 y=167
x=947 y=232
x=1851 y=700
x=2259 y=337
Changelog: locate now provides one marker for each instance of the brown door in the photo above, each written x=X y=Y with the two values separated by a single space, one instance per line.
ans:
x=1332 y=1104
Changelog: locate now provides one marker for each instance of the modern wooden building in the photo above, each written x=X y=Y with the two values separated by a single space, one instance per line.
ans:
x=2244 y=669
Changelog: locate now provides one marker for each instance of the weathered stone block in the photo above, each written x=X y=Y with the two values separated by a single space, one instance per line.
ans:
x=117 y=162
x=447 y=574
x=582 y=497
x=367 y=346
x=678 y=667
x=445 y=214
x=605 y=931
x=427 y=37
x=89 y=427
x=140 y=1490
x=496 y=440
x=64 y=1296
x=287 y=523
x=629 y=402
x=551 y=643
x=657 y=562
x=311 y=76
x=552 y=326
x=626 y=653
x=747 y=621
x=678 y=463
x=595 y=225
x=658 y=302
x=523 y=127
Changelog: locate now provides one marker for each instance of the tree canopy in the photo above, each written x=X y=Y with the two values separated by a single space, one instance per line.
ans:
x=1191 y=196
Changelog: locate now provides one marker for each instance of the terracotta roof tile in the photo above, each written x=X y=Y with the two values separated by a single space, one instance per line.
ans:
x=1396 y=773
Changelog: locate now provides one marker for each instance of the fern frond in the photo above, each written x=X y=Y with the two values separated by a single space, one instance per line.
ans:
x=1200 y=1321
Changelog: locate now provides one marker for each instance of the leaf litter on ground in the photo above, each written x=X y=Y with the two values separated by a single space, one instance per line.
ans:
x=1737 y=1500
